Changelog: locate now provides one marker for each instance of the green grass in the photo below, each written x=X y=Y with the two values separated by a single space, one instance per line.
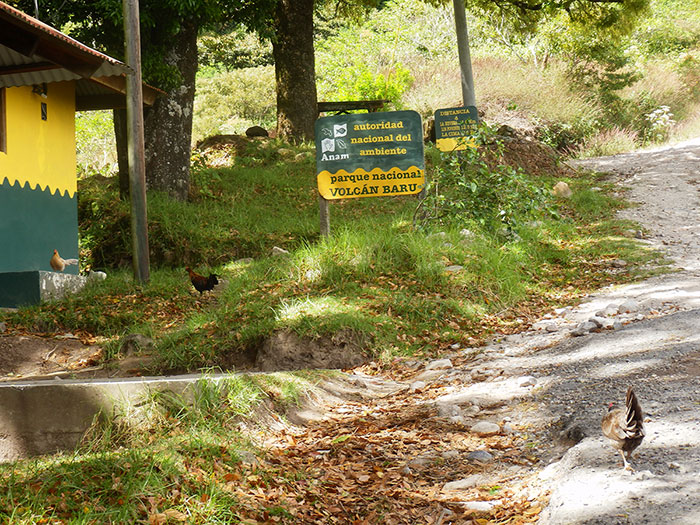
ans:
x=172 y=455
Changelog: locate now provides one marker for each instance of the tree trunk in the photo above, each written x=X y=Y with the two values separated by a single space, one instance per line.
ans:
x=293 y=50
x=168 y=124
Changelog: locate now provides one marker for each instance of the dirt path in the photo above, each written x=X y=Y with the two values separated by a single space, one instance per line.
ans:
x=657 y=350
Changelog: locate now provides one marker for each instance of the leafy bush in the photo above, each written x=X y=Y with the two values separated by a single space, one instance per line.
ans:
x=469 y=187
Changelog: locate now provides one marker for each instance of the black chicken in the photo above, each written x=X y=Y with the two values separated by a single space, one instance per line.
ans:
x=625 y=426
x=201 y=283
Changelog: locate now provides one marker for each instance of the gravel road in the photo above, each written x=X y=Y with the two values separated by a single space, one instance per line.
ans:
x=655 y=348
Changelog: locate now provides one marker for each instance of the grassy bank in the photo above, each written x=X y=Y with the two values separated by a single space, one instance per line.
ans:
x=487 y=250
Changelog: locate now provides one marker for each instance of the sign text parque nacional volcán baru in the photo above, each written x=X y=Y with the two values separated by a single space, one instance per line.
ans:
x=370 y=155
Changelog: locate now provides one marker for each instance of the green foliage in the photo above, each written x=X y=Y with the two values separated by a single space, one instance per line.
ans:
x=234 y=50
x=371 y=60
x=688 y=68
x=230 y=102
x=94 y=137
x=672 y=28
x=469 y=187
x=361 y=83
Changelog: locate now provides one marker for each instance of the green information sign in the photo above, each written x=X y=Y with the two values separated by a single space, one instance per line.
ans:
x=370 y=155
x=455 y=128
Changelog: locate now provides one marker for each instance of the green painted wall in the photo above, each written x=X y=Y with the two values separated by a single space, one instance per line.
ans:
x=32 y=224
x=19 y=289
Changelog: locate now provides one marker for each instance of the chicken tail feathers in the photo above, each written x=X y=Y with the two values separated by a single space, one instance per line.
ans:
x=635 y=416
x=68 y=262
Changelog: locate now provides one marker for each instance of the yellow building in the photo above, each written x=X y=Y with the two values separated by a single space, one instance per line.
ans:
x=45 y=76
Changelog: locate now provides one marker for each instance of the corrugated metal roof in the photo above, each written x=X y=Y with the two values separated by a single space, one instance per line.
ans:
x=50 y=56
x=46 y=29
x=33 y=52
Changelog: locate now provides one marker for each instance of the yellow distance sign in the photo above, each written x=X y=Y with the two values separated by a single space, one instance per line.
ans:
x=455 y=128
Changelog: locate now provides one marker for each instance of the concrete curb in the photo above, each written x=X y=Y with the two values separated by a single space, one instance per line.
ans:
x=44 y=417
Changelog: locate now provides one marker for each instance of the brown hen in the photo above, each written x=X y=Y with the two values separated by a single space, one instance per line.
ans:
x=624 y=427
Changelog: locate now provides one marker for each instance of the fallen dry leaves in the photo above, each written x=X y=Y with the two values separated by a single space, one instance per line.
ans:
x=383 y=461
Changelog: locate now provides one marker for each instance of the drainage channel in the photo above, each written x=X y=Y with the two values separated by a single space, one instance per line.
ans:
x=48 y=416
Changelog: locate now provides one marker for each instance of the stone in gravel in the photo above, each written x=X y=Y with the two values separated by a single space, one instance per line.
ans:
x=248 y=458
x=429 y=375
x=481 y=506
x=455 y=346
x=477 y=376
x=471 y=411
x=485 y=428
x=277 y=251
x=136 y=343
x=465 y=483
x=617 y=325
x=526 y=381
x=417 y=386
x=563 y=311
x=256 y=131
x=598 y=321
x=421 y=461
x=548 y=326
x=584 y=328
x=561 y=189
x=619 y=263
x=450 y=454
x=457 y=420
x=507 y=429
x=439 y=364
x=448 y=410
x=481 y=456
x=609 y=311
x=629 y=306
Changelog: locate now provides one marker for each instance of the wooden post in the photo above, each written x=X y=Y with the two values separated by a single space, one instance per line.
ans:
x=134 y=126
x=465 y=61
x=325 y=216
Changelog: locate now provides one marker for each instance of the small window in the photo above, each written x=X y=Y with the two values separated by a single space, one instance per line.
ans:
x=3 y=129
